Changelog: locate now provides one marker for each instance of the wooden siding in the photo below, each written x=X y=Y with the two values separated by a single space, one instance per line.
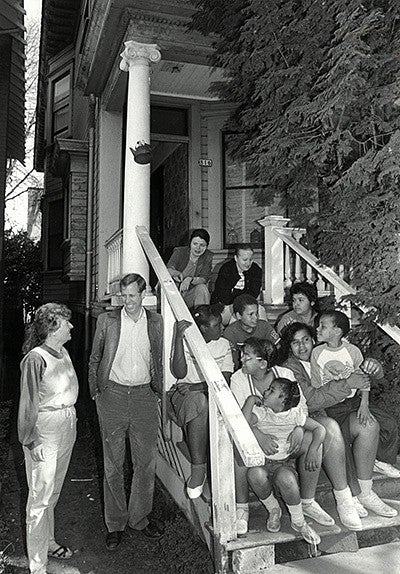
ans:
x=95 y=227
x=12 y=18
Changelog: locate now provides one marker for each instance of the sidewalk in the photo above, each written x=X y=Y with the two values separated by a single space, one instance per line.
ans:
x=79 y=521
x=374 y=560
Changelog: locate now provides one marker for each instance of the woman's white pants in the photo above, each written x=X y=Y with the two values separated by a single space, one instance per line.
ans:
x=57 y=430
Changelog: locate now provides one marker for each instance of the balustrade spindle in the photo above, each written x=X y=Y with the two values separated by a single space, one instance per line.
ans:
x=287 y=278
x=297 y=268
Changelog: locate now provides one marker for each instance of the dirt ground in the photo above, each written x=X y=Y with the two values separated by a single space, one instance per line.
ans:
x=79 y=520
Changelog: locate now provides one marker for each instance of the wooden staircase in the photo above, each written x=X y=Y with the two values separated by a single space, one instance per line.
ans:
x=259 y=550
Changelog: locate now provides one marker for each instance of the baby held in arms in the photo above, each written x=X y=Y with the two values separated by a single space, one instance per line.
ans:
x=275 y=414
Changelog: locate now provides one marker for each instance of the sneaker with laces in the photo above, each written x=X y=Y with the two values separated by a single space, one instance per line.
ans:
x=314 y=511
x=307 y=533
x=372 y=502
x=361 y=511
x=242 y=521
x=386 y=469
x=348 y=515
x=274 y=520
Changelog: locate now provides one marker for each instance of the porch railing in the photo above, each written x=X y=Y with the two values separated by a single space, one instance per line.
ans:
x=287 y=261
x=227 y=423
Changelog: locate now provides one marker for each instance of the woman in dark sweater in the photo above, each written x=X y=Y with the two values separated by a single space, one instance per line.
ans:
x=190 y=267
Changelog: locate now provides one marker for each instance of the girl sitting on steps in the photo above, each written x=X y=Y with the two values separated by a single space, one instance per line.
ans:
x=277 y=414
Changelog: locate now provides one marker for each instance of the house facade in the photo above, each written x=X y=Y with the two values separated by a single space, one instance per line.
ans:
x=115 y=74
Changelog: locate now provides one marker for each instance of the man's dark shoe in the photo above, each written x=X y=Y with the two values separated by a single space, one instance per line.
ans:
x=154 y=529
x=113 y=539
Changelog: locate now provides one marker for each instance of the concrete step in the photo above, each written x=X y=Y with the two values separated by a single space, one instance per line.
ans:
x=259 y=547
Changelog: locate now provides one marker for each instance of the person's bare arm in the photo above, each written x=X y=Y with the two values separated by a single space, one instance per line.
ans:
x=178 y=362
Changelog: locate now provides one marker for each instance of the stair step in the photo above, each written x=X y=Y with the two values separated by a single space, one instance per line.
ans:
x=384 y=487
x=288 y=545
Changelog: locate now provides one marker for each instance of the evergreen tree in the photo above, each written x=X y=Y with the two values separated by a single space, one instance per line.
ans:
x=317 y=94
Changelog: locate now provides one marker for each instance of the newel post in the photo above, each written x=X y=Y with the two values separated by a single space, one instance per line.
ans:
x=273 y=259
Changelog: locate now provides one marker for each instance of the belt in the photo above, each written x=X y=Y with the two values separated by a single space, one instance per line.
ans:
x=131 y=386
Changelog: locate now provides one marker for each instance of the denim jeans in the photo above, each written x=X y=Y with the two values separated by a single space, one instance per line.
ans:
x=128 y=411
x=57 y=431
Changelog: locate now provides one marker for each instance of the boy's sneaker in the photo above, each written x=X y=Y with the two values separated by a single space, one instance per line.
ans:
x=348 y=515
x=242 y=520
x=361 y=511
x=307 y=533
x=314 y=511
x=274 y=520
x=386 y=469
x=372 y=502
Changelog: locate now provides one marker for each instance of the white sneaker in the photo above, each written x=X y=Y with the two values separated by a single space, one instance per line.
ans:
x=242 y=520
x=274 y=519
x=307 y=533
x=348 y=515
x=361 y=511
x=374 y=503
x=386 y=469
x=314 y=511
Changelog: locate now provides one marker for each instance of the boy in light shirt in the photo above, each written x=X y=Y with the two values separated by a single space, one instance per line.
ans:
x=336 y=359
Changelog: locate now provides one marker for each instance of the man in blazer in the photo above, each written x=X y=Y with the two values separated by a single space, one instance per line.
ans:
x=125 y=369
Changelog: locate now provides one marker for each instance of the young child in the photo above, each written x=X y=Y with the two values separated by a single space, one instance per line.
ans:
x=248 y=324
x=188 y=397
x=336 y=359
x=276 y=415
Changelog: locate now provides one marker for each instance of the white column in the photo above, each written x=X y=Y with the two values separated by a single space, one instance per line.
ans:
x=136 y=59
x=274 y=259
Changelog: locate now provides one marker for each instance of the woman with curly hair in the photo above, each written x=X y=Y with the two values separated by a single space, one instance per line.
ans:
x=46 y=427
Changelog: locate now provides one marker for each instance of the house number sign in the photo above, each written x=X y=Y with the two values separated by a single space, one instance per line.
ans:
x=205 y=162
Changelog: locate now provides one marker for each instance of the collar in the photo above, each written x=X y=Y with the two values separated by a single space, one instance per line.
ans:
x=239 y=270
x=126 y=317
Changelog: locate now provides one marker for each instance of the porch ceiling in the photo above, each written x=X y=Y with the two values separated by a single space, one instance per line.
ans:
x=169 y=78
x=184 y=80
x=163 y=23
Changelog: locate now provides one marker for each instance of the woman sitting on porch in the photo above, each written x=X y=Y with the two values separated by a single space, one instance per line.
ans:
x=188 y=398
x=245 y=383
x=362 y=442
x=190 y=267
x=304 y=301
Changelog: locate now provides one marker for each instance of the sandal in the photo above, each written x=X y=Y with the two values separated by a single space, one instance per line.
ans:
x=61 y=553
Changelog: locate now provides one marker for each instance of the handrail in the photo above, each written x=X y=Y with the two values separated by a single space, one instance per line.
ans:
x=238 y=428
x=329 y=275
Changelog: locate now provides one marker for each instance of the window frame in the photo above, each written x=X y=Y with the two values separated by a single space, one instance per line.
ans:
x=225 y=191
x=60 y=66
x=51 y=201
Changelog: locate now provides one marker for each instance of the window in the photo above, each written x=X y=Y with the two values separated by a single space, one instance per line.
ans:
x=241 y=213
x=171 y=121
x=55 y=234
x=61 y=105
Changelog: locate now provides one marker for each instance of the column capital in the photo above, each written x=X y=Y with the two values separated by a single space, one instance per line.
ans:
x=137 y=54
